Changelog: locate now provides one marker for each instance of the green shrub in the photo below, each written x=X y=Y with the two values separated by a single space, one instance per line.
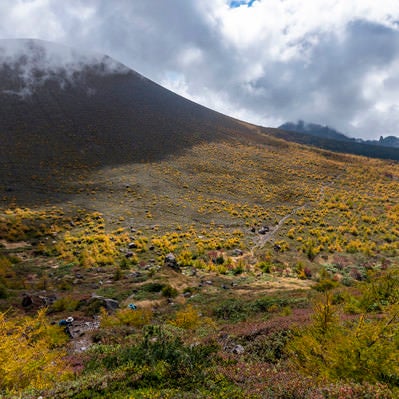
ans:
x=3 y=291
x=266 y=267
x=231 y=309
x=269 y=348
x=238 y=270
x=160 y=358
x=65 y=303
x=169 y=292
x=266 y=303
x=219 y=260
x=152 y=287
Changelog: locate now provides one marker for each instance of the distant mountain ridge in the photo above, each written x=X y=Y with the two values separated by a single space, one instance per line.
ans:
x=389 y=141
x=314 y=130
x=326 y=132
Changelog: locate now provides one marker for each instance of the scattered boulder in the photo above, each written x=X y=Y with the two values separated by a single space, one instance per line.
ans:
x=96 y=302
x=36 y=301
x=263 y=230
x=47 y=300
x=170 y=261
x=238 y=350
x=237 y=252
x=132 y=245
x=27 y=301
x=111 y=304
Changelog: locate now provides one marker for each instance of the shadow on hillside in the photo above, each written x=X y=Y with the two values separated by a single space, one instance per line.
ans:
x=57 y=136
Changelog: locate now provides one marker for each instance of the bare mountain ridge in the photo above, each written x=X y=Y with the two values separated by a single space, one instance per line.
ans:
x=64 y=114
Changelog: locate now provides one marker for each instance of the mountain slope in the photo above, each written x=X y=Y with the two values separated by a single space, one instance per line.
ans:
x=63 y=113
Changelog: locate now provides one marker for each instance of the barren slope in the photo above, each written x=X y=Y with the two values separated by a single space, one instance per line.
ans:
x=61 y=115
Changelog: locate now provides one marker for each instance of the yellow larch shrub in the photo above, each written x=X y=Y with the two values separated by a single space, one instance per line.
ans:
x=30 y=356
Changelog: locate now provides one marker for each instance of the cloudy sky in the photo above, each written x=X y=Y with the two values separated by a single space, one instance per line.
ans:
x=333 y=62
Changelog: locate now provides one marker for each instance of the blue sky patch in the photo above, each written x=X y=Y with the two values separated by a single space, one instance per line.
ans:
x=239 y=3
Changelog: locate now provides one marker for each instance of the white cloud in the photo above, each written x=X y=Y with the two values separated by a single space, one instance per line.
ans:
x=330 y=61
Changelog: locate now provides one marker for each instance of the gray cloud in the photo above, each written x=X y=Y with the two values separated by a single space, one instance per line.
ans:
x=329 y=87
x=268 y=64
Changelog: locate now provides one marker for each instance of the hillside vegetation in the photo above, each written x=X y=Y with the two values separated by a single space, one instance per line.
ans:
x=233 y=269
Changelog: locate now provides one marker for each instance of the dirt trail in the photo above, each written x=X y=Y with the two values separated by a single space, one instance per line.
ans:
x=263 y=239
x=14 y=245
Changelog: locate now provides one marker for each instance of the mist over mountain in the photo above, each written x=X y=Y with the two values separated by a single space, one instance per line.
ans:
x=314 y=130
x=29 y=64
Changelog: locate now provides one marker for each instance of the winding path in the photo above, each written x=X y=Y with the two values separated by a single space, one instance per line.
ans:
x=263 y=239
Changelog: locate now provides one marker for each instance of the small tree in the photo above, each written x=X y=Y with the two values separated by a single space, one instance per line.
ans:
x=29 y=354
x=365 y=350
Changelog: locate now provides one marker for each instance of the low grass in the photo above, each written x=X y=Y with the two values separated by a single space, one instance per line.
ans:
x=329 y=219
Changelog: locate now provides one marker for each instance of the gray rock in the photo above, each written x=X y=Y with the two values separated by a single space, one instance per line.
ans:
x=263 y=230
x=277 y=247
x=108 y=303
x=170 y=261
x=170 y=258
x=27 y=301
x=111 y=304
x=238 y=350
